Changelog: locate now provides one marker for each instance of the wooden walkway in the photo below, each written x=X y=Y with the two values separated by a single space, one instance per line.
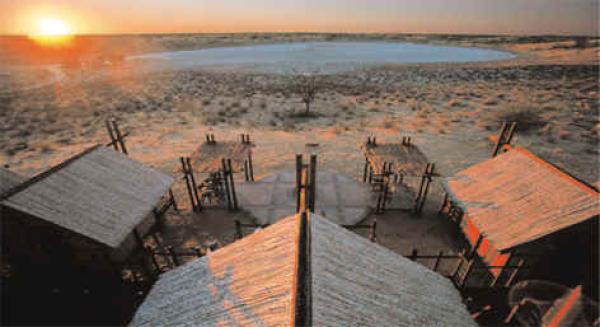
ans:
x=338 y=198
x=406 y=159
x=207 y=158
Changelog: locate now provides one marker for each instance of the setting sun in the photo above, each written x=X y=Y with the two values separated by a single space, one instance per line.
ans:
x=52 y=32
x=52 y=27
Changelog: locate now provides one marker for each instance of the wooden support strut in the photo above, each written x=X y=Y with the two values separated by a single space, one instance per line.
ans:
x=312 y=186
x=504 y=137
x=189 y=185
x=426 y=180
x=232 y=184
x=190 y=171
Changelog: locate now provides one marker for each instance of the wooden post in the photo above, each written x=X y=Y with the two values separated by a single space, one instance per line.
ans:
x=226 y=182
x=511 y=133
x=232 y=185
x=250 y=165
x=120 y=137
x=444 y=203
x=312 y=183
x=428 y=181
x=500 y=140
x=246 y=173
x=207 y=138
x=476 y=247
x=187 y=184
x=238 y=230
x=513 y=275
x=459 y=263
x=299 y=185
x=150 y=252
x=373 y=231
x=436 y=265
x=173 y=200
x=469 y=269
x=173 y=255
x=190 y=171
x=414 y=254
x=111 y=134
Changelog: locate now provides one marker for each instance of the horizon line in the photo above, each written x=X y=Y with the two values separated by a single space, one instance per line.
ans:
x=597 y=35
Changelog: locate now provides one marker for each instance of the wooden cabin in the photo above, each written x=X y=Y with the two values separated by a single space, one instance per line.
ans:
x=517 y=206
x=303 y=271
x=87 y=213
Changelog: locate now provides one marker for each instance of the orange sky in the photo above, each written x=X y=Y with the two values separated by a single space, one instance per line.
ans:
x=421 y=16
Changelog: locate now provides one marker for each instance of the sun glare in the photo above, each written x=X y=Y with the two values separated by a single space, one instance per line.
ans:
x=52 y=32
x=52 y=27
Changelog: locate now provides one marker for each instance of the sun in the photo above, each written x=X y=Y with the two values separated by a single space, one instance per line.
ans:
x=52 y=27
x=52 y=32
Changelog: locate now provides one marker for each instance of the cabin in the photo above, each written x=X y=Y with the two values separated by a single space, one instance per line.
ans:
x=303 y=271
x=517 y=206
x=80 y=224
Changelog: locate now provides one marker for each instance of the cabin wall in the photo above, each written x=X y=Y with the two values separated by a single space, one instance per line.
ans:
x=569 y=257
x=31 y=242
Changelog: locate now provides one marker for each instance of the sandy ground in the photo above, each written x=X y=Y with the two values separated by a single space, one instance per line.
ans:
x=450 y=110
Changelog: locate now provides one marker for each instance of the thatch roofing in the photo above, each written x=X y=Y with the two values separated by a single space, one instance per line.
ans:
x=8 y=180
x=247 y=283
x=98 y=193
x=353 y=282
x=517 y=197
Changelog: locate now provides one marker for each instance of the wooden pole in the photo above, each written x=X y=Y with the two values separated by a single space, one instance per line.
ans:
x=173 y=200
x=187 y=183
x=469 y=269
x=414 y=254
x=173 y=255
x=150 y=252
x=194 y=185
x=232 y=182
x=250 y=165
x=226 y=182
x=111 y=135
x=119 y=137
x=511 y=133
x=313 y=183
x=299 y=185
x=373 y=231
x=476 y=247
x=436 y=265
x=238 y=230
x=428 y=181
x=246 y=173
x=500 y=139
x=513 y=275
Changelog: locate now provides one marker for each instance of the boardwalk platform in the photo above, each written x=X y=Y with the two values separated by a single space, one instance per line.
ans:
x=406 y=159
x=339 y=198
x=207 y=158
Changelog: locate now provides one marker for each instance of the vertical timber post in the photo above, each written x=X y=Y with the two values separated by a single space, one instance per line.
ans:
x=232 y=185
x=312 y=194
x=226 y=183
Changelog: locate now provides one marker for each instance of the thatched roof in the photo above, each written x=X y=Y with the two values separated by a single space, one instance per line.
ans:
x=358 y=283
x=517 y=197
x=8 y=180
x=99 y=193
x=246 y=283
x=353 y=282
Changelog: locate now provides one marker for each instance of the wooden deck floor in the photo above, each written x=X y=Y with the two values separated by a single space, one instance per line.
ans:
x=408 y=160
x=207 y=158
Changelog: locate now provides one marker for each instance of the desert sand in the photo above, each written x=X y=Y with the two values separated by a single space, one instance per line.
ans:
x=49 y=112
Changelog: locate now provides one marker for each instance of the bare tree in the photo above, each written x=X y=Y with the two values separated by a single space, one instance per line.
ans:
x=307 y=86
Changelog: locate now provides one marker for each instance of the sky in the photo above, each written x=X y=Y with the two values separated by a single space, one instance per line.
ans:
x=351 y=16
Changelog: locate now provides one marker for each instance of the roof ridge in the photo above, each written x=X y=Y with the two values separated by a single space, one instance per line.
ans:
x=14 y=190
x=559 y=171
x=302 y=279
